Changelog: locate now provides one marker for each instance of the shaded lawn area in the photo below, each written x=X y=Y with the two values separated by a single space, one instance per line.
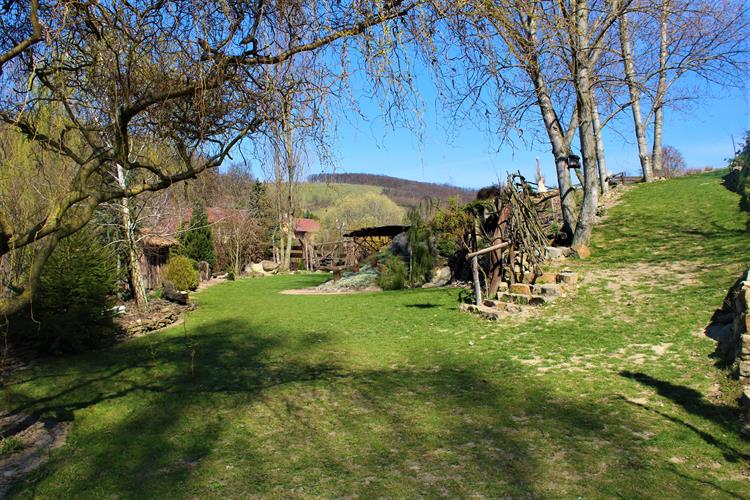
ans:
x=398 y=394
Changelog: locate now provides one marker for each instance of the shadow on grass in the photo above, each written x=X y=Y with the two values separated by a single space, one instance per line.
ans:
x=423 y=306
x=238 y=409
x=693 y=402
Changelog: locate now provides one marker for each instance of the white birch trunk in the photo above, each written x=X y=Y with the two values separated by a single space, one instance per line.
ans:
x=583 y=84
x=135 y=276
x=661 y=89
x=635 y=99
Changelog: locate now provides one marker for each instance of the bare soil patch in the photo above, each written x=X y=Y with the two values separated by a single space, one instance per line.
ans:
x=36 y=437
x=318 y=291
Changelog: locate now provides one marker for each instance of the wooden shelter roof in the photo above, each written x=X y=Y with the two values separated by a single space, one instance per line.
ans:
x=377 y=231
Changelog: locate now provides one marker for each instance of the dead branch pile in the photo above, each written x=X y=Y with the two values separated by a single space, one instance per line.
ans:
x=509 y=231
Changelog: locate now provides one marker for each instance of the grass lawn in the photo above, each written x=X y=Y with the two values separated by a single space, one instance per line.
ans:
x=611 y=393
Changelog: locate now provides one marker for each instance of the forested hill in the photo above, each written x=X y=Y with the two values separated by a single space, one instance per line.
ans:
x=403 y=191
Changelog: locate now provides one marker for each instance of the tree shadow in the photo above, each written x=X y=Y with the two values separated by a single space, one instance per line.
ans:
x=692 y=401
x=423 y=305
x=233 y=408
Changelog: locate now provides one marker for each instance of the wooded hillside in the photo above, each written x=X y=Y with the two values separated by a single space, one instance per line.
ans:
x=405 y=192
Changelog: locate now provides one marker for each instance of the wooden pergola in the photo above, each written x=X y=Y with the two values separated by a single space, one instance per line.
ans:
x=369 y=240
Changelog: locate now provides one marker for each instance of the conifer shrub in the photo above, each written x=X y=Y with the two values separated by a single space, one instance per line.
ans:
x=393 y=272
x=196 y=241
x=77 y=286
x=180 y=270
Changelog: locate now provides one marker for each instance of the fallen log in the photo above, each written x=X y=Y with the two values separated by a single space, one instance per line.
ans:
x=487 y=250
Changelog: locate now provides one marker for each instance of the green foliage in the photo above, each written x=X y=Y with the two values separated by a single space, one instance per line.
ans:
x=742 y=183
x=392 y=272
x=75 y=289
x=10 y=445
x=449 y=225
x=358 y=211
x=196 y=242
x=230 y=275
x=180 y=270
x=403 y=378
x=421 y=249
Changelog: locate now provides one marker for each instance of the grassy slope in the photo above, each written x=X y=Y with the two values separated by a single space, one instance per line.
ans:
x=398 y=394
x=317 y=195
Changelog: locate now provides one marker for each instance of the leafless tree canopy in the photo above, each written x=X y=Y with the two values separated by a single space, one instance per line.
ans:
x=90 y=82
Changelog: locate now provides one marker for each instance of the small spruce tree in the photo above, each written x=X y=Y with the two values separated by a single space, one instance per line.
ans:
x=196 y=241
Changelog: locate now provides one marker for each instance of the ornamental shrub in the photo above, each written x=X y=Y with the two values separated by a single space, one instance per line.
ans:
x=392 y=272
x=77 y=286
x=197 y=242
x=181 y=271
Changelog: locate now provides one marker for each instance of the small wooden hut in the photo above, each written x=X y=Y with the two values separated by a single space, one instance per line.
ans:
x=303 y=253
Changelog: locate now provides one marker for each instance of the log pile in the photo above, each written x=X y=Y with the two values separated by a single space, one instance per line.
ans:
x=508 y=230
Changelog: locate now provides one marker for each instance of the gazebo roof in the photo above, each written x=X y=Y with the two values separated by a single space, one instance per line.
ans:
x=377 y=231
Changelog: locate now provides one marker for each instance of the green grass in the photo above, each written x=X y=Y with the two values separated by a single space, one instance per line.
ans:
x=318 y=195
x=9 y=445
x=611 y=393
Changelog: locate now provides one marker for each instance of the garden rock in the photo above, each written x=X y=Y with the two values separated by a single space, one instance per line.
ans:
x=169 y=293
x=555 y=253
x=490 y=313
x=520 y=289
x=204 y=271
x=441 y=276
x=269 y=266
x=400 y=245
x=567 y=278
x=159 y=314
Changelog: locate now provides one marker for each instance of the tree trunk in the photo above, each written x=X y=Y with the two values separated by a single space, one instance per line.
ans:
x=661 y=89
x=601 y=160
x=475 y=277
x=635 y=100
x=286 y=129
x=583 y=83
x=560 y=146
x=135 y=277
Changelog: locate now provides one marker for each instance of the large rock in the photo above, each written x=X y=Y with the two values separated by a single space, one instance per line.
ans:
x=567 y=278
x=520 y=289
x=269 y=266
x=555 y=253
x=400 y=245
x=441 y=276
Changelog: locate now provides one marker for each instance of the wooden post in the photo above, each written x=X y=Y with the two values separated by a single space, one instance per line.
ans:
x=475 y=275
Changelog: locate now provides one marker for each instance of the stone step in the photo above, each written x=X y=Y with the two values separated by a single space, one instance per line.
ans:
x=523 y=299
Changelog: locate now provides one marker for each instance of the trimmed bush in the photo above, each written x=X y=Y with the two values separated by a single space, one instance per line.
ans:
x=392 y=273
x=181 y=272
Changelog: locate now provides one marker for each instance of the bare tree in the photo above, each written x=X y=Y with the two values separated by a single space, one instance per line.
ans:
x=668 y=40
x=192 y=75
x=673 y=163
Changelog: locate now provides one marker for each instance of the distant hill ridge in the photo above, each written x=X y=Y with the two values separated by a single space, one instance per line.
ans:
x=403 y=191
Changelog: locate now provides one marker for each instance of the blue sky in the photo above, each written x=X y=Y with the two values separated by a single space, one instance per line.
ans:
x=469 y=157
x=465 y=155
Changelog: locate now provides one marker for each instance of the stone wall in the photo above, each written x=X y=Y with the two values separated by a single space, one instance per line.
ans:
x=730 y=326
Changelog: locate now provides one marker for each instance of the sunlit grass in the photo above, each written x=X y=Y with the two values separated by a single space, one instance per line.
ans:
x=603 y=394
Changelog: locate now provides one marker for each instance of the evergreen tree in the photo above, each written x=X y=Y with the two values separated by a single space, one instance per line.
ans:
x=196 y=241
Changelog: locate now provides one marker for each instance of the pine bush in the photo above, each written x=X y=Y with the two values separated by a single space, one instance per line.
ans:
x=197 y=242
x=76 y=287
